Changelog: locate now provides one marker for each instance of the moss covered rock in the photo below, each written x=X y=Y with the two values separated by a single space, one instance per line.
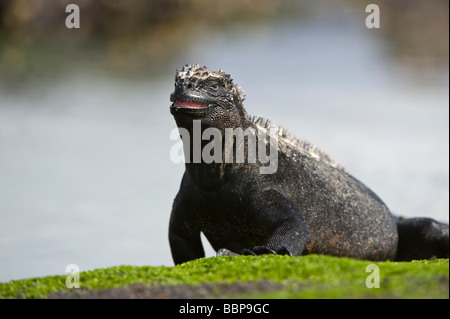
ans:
x=312 y=276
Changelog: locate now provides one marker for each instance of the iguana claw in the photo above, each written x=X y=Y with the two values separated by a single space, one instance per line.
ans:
x=225 y=252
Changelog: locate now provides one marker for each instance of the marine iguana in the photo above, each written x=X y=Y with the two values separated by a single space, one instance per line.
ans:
x=309 y=205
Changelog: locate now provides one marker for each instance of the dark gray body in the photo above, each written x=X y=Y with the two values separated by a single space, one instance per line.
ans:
x=309 y=205
x=305 y=207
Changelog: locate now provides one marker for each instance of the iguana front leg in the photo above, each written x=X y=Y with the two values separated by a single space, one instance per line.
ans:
x=184 y=236
x=287 y=231
x=283 y=242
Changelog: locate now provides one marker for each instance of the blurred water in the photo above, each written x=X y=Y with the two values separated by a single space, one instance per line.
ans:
x=85 y=172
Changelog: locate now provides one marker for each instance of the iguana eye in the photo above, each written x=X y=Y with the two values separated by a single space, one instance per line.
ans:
x=214 y=86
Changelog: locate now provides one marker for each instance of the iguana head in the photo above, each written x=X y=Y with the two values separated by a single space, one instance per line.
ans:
x=211 y=96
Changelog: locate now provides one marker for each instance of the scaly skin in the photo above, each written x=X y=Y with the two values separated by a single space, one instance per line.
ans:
x=309 y=205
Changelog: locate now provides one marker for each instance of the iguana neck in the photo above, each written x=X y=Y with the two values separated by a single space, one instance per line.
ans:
x=208 y=176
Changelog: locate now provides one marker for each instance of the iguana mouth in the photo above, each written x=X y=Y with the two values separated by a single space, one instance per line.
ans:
x=184 y=104
x=189 y=107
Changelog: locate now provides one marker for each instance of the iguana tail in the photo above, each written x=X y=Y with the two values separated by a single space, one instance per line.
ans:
x=422 y=238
